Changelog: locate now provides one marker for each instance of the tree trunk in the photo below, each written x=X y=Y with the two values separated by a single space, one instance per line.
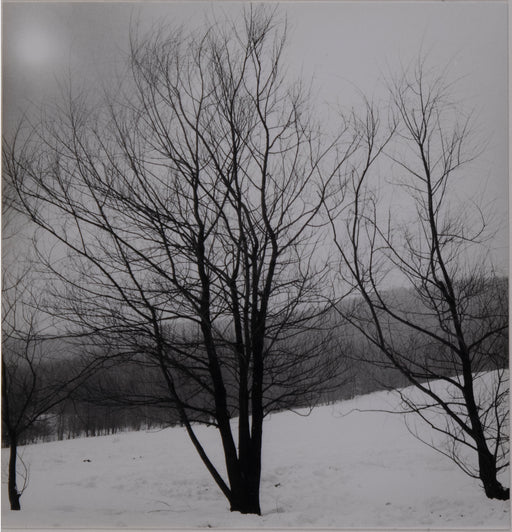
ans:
x=245 y=477
x=488 y=475
x=246 y=497
x=14 y=496
x=247 y=502
x=486 y=460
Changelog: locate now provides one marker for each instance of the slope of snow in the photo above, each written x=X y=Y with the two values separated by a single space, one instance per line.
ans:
x=335 y=468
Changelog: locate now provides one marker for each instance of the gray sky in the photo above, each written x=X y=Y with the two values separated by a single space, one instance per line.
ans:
x=339 y=43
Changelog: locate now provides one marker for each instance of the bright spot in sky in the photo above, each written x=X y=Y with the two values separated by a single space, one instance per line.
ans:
x=37 y=47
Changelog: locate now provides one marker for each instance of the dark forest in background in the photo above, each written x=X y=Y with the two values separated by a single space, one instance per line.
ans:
x=125 y=396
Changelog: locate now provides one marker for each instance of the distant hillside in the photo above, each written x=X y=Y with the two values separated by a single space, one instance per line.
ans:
x=113 y=401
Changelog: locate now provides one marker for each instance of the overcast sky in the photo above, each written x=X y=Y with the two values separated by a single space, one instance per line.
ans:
x=340 y=43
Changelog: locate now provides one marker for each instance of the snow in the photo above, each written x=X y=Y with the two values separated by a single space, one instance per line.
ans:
x=338 y=467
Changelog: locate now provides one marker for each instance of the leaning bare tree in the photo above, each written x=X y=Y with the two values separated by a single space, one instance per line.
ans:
x=184 y=215
x=451 y=322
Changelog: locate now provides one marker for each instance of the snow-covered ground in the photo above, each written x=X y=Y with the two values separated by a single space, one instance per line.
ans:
x=335 y=468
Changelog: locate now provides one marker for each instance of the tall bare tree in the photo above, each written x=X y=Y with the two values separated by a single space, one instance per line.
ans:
x=452 y=322
x=185 y=218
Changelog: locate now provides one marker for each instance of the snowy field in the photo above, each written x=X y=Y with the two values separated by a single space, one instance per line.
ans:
x=334 y=468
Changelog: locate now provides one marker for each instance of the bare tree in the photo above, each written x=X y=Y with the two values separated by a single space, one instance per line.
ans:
x=28 y=389
x=451 y=322
x=188 y=208
x=14 y=378
x=32 y=383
